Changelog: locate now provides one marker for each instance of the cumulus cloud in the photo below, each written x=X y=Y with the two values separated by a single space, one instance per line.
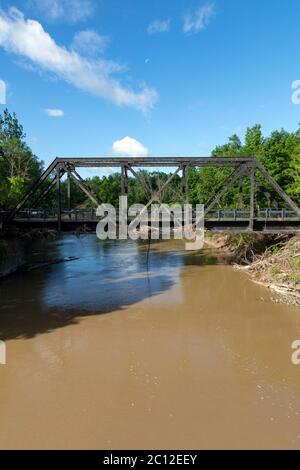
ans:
x=159 y=26
x=89 y=42
x=2 y=92
x=70 y=10
x=129 y=147
x=29 y=40
x=54 y=112
x=200 y=19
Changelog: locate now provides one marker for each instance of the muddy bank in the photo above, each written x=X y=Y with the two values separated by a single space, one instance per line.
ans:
x=270 y=260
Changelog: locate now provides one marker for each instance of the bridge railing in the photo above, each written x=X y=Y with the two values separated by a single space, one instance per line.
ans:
x=244 y=214
x=214 y=215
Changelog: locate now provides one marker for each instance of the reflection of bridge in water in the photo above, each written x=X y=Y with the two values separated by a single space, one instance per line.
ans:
x=252 y=218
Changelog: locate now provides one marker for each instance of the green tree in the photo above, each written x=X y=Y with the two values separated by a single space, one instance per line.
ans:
x=18 y=165
x=294 y=173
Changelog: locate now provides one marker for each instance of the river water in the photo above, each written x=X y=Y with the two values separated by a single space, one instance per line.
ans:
x=110 y=352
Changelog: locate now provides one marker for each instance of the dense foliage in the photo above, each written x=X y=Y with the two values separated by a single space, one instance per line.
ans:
x=18 y=166
x=279 y=153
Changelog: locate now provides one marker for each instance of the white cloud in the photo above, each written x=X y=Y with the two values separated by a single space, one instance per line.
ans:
x=193 y=23
x=129 y=147
x=28 y=39
x=2 y=92
x=159 y=26
x=54 y=112
x=89 y=42
x=70 y=10
x=96 y=171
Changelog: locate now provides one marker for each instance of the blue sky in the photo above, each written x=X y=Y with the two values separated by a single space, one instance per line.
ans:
x=178 y=76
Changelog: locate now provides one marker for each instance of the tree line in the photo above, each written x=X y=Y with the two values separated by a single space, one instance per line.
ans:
x=278 y=152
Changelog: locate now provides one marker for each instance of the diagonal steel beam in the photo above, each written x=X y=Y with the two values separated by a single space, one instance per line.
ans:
x=241 y=170
x=47 y=190
x=277 y=188
x=81 y=184
x=156 y=197
x=33 y=189
x=143 y=182
x=169 y=180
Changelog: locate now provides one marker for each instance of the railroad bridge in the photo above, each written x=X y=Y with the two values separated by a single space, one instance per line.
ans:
x=283 y=219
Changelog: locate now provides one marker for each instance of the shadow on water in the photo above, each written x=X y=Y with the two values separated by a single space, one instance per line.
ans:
x=109 y=276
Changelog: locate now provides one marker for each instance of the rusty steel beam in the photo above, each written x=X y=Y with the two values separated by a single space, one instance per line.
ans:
x=277 y=188
x=240 y=164
x=124 y=180
x=99 y=162
x=58 y=194
x=252 y=197
x=229 y=181
x=33 y=189
x=142 y=181
x=46 y=191
x=185 y=184
x=81 y=184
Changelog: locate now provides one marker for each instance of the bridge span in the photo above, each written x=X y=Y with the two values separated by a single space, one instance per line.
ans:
x=252 y=218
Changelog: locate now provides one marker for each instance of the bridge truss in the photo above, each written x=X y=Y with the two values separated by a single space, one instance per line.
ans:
x=241 y=167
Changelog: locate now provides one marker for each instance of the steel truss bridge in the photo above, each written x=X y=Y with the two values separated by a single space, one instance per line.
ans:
x=285 y=219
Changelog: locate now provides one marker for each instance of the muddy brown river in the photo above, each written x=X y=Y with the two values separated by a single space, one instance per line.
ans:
x=106 y=352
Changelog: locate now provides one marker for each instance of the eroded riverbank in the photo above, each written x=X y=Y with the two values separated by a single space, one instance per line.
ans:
x=270 y=260
x=103 y=354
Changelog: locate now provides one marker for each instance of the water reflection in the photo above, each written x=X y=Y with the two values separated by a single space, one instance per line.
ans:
x=108 y=276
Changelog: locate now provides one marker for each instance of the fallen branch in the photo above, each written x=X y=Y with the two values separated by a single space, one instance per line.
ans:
x=43 y=264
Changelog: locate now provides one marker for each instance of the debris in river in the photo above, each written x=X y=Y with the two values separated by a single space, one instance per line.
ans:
x=278 y=268
x=43 y=264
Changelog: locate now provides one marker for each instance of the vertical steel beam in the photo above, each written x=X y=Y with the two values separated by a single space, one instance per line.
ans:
x=185 y=184
x=252 y=197
x=69 y=194
x=126 y=179
x=124 y=184
x=58 y=199
x=241 y=197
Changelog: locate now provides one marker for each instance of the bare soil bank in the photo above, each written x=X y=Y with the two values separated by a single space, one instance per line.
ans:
x=270 y=260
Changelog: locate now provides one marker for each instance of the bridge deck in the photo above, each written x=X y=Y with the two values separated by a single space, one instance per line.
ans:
x=225 y=225
x=224 y=220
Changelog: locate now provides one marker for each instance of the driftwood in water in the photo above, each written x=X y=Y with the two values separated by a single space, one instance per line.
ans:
x=43 y=264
